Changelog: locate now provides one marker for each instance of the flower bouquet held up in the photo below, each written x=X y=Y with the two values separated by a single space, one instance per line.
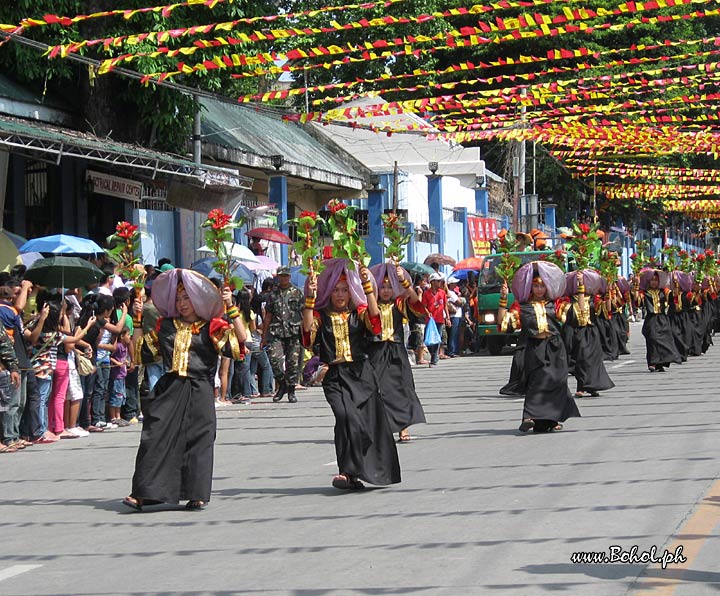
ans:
x=395 y=233
x=608 y=266
x=671 y=256
x=308 y=245
x=219 y=228
x=557 y=257
x=509 y=262
x=586 y=245
x=640 y=257
x=347 y=244
x=124 y=251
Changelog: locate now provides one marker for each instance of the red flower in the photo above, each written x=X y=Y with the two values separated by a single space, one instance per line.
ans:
x=310 y=214
x=334 y=206
x=558 y=252
x=218 y=219
x=584 y=228
x=633 y=256
x=683 y=253
x=700 y=258
x=125 y=230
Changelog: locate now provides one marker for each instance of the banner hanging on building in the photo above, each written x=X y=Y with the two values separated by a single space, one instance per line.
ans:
x=482 y=230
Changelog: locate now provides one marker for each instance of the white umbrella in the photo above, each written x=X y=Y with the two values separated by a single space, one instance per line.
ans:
x=236 y=251
x=264 y=264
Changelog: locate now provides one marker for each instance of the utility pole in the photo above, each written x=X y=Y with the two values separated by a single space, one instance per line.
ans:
x=519 y=169
x=396 y=200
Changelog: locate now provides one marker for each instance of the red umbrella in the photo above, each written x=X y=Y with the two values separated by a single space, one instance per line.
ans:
x=475 y=263
x=270 y=234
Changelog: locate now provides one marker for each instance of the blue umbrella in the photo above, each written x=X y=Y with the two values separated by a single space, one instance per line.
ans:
x=206 y=268
x=62 y=244
x=462 y=273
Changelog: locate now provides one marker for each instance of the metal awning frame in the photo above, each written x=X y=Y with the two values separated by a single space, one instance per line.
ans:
x=29 y=143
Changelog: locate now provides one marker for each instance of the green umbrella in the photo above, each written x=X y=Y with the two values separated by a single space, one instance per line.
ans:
x=417 y=268
x=63 y=272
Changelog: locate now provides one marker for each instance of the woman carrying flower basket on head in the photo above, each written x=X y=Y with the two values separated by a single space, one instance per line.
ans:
x=587 y=351
x=537 y=287
x=175 y=458
x=387 y=351
x=340 y=309
x=651 y=291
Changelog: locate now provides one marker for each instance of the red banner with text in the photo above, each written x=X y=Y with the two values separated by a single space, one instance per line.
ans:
x=482 y=231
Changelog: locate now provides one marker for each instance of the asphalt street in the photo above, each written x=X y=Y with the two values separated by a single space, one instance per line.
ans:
x=482 y=509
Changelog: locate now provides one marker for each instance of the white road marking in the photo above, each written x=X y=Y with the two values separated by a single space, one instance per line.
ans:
x=521 y=399
x=622 y=364
x=16 y=570
x=332 y=463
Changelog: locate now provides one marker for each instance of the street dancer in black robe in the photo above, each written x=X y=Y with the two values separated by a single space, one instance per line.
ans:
x=175 y=458
x=696 y=321
x=602 y=319
x=659 y=342
x=387 y=351
x=707 y=315
x=590 y=372
x=339 y=311
x=679 y=314
x=536 y=287
x=619 y=320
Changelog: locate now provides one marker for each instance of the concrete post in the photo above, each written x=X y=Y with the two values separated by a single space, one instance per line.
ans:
x=375 y=202
x=278 y=196
x=435 y=210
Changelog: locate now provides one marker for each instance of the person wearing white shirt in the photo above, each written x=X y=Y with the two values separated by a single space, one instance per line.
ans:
x=455 y=303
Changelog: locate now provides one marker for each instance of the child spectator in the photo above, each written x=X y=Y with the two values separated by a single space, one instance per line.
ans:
x=119 y=361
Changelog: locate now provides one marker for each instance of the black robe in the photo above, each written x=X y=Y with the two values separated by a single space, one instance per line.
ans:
x=364 y=443
x=590 y=372
x=175 y=458
x=659 y=342
x=517 y=382
x=606 y=333
x=621 y=328
x=679 y=314
x=388 y=357
x=547 y=397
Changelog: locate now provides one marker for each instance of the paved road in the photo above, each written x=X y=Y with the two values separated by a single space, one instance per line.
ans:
x=481 y=510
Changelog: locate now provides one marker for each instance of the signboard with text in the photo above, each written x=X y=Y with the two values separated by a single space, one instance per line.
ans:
x=112 y=186
x=482 y=231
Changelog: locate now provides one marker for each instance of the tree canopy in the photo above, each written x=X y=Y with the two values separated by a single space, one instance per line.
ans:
x=619 y=95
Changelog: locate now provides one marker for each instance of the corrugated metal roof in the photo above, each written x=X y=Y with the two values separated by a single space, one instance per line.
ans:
x=263 y=133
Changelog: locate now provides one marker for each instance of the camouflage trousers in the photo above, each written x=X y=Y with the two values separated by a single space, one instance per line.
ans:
x=284 y=353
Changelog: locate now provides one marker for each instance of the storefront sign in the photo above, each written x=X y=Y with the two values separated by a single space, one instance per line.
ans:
x=482 y=231
x=112 y=186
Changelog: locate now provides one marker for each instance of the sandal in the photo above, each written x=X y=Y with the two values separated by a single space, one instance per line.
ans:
x=404 y=437
x=8 y=449
x=133 y=503
x=195 y=505
x=345 y=482
x=527 y=425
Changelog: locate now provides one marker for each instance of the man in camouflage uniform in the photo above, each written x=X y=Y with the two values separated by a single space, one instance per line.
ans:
x=281 y=333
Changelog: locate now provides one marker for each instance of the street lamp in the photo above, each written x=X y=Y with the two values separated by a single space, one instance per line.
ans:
x=433 y=167
x=479 y=181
